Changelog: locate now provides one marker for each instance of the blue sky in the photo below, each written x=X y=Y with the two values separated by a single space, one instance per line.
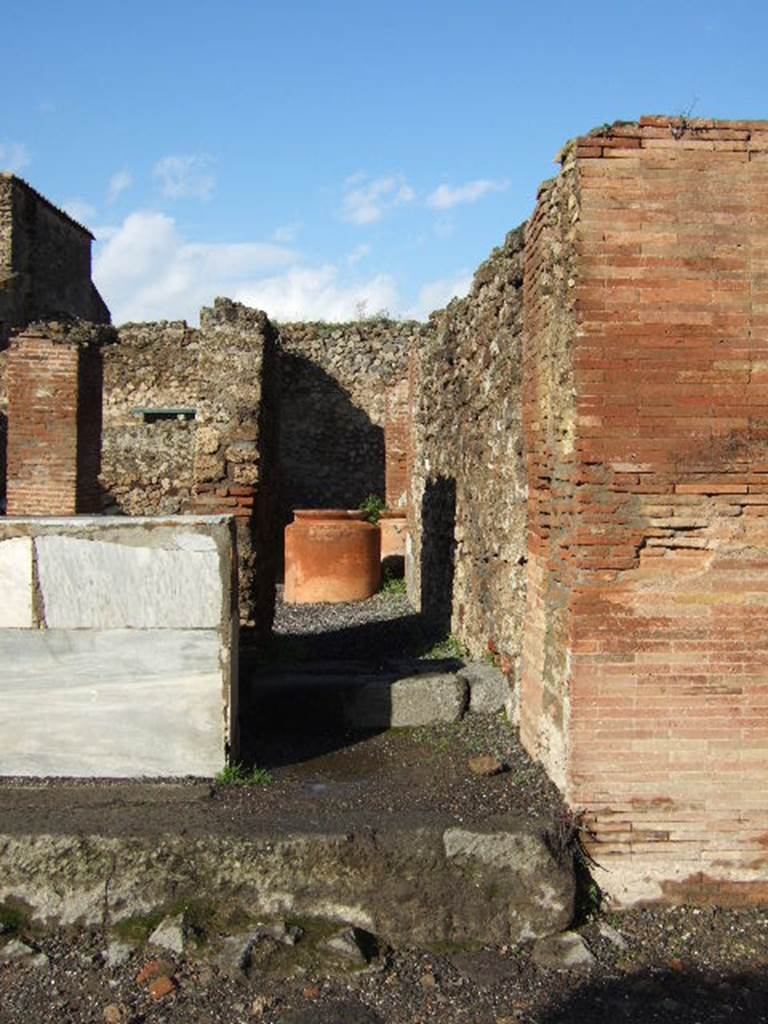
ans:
x=318 y=159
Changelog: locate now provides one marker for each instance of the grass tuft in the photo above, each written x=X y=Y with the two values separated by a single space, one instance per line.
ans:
x=238 y=775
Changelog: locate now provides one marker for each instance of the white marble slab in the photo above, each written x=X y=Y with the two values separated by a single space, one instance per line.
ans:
x=96 y=584
x=16 y=608
x=112 y=704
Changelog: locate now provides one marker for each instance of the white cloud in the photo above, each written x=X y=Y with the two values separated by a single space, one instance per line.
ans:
x=445 y=197
x=318 y=293
x=368 y=203
x=14 y=156
x=437 y=294
x=145 y=270
x=358 y=253
x=186 y=177
x=79 y=210
x=118 y=183
x=287 y=232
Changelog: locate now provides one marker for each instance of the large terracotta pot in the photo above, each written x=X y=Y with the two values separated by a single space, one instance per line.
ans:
x=394 y=528
x=331 y=555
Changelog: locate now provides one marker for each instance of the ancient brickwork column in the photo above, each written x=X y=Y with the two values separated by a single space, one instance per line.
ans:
x=646 y=416
x=54 y=419
x=397 y=442
x=235 y=444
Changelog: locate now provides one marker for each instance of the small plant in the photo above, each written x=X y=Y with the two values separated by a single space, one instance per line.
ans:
x=567 y=842
x=238 y=775
x=372 y=508
x=449 y=647
x=392 y=585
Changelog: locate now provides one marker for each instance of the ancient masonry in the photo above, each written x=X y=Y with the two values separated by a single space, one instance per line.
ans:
x=645 y=678
x=45 y=261
x=582 y=447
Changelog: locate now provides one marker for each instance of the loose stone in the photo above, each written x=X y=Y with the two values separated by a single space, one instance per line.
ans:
x=161 y=987
x=563 y=952
x=170 y=934
x=485 y=765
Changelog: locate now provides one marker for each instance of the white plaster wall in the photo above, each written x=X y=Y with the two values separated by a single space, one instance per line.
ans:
x=117 y=642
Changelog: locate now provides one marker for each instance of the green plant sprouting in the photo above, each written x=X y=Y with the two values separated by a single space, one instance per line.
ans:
x=237 y=774
x=372 y=507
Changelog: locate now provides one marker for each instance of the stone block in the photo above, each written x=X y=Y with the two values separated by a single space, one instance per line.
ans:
x=87 y=583
x=411 y=701
x=409 y=883
x=16 y=607
x=488 y=688
x=129 y=703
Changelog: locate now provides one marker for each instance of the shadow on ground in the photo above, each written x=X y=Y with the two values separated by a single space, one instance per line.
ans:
x=687 y=997
x=294 y=704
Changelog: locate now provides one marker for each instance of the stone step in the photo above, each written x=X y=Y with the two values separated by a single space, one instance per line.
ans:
x=410 y=882
x=405 y=695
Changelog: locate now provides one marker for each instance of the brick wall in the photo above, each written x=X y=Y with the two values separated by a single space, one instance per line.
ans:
x=397 y=443
x=646 y=408
x=54 y=421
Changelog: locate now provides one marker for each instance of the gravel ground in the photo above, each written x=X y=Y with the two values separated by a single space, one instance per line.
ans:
x=380 y=628
x=681 y=966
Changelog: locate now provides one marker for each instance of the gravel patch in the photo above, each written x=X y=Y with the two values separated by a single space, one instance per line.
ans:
x=719 y=977
x=380 y=628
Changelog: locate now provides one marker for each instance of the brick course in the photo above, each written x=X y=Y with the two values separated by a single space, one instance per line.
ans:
x=54 y=414
x=645 y=689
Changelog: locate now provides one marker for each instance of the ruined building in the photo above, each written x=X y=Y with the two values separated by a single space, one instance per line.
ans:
x=585 y=443
x=45 y=261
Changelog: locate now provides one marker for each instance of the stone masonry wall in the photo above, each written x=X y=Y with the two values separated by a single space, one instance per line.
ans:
x=6 y=258
x=334 y=381
x=549 y=419
x=3 y=426
x=646 y=663
x=468 y=476
x=147 y=467
x=235 y=462
x=45 y=262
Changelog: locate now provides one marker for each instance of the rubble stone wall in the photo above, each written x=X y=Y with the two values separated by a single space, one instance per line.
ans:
x=467 y=547
x=235 y=460
x=3 y=426
x=45 y=261
x=645 y=672
x=147 y=467
x=333 y=396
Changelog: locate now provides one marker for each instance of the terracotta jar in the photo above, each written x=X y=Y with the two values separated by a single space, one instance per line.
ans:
x=331 y=555
x=394 y=528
